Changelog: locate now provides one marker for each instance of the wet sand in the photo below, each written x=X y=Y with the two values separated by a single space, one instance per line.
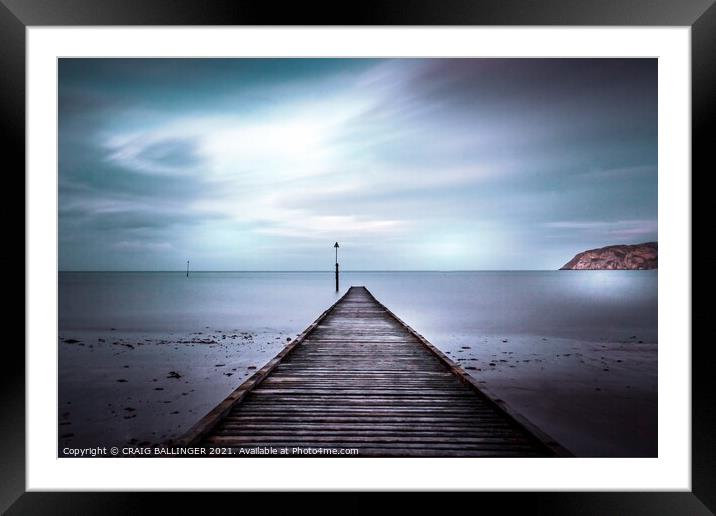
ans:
x=598 y=399
x=120 y=388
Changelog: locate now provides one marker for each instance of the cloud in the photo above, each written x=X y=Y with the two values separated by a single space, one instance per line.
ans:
x=136 y=246
x=204 y=155
x=326 y=226
x=619 y=229
x=157 y=155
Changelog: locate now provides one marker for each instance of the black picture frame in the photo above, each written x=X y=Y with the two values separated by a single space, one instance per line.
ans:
x=700 y=15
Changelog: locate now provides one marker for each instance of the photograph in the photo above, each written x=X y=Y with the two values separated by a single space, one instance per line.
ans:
x=357 y=257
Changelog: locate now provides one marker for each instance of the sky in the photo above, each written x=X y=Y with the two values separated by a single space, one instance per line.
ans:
x=410 y=164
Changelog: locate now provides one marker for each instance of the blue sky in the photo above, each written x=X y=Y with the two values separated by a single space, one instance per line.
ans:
x=411 y=164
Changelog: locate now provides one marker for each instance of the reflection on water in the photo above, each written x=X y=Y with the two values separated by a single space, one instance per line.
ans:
x=579 y=304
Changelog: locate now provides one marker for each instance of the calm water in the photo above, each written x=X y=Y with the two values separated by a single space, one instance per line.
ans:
x=585 y=305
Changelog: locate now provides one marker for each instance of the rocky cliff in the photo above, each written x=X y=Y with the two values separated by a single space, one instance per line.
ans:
x=638 y=256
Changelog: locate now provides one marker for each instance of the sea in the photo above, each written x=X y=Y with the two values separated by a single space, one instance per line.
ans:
x=586 y=305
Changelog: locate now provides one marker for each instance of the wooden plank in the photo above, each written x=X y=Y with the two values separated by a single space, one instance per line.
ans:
x=372 y=440
x=405 y=421
x=243 y=427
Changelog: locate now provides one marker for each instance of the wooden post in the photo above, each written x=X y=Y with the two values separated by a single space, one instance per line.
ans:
x=336 y=246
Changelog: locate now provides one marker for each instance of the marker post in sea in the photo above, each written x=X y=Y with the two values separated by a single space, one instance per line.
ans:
x=336 y=246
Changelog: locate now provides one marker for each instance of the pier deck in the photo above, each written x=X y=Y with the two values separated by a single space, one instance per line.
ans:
x=360 y=378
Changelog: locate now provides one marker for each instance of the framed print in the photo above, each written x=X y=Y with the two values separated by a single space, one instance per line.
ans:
x=417 y=249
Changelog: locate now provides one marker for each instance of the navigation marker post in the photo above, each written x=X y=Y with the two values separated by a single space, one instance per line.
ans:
x=336 y=246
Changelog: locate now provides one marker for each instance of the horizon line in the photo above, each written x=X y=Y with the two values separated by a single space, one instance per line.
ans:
x=183 y=271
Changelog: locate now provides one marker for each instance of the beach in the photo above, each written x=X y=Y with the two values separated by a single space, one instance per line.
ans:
x=143 y=356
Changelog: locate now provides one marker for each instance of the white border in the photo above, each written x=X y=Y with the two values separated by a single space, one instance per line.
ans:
x=670 y=471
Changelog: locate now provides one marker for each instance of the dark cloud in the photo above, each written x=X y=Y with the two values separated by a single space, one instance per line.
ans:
x=174 y=153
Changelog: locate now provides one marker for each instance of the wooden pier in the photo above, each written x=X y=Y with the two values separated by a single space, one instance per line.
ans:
x=360 y=378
